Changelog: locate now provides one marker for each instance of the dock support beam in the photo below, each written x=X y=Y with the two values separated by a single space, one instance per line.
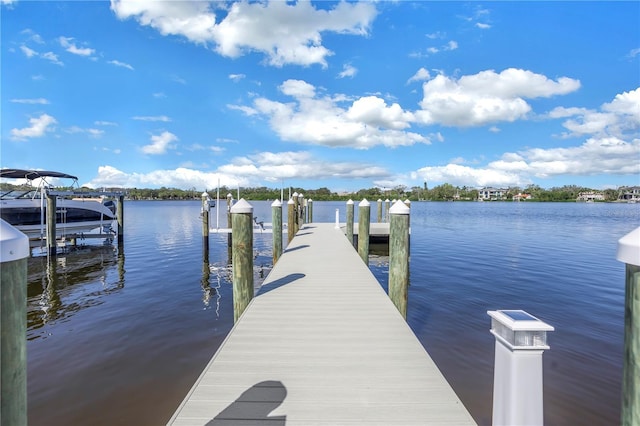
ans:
x=51 y=225
x=349 y=230
x=276 y=228
x=242 y=256
x=291 y=224
x=399 y=256
x=629 y=253
x=364 y=222
x=120 y=217
x=14 y=251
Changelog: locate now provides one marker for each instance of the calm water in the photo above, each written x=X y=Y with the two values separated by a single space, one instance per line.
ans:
x=117 y=335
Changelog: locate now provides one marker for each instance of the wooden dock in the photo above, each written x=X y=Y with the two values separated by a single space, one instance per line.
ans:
x=321 y=344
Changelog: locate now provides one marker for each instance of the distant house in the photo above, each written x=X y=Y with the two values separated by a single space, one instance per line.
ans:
x=590 y=197
x=630 y=194
x=492 y=194
x=522 y=196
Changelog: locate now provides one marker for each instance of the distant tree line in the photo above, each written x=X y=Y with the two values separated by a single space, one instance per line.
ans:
x=444 y=192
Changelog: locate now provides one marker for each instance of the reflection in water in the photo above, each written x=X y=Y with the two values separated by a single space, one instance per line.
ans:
x=62 y=285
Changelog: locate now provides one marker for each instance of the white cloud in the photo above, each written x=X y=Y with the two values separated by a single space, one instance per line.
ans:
x=50 y=56
x=236 y=77
x=482 y=26
x=37 y=101
x=619 y=118
x=286 y=33
x=68 y=44
x=162 y=118
x=323 y=120
x=94 y=133
x=121 y=64
x=242 y=171
x=421 y=75
x=486 y=97
x=28 y=52
x=633 y=53
x=104 y=123
x=38 y=127
x=347 y=71
x=160 y=143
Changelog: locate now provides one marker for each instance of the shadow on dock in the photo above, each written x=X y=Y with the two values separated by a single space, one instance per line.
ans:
x=296 y=248
x=254 y=406
x=279 y=283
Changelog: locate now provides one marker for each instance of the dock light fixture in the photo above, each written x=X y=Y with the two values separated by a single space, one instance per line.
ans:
x=521 y=339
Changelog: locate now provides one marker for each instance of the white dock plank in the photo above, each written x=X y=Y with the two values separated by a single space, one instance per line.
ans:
x=321 y=344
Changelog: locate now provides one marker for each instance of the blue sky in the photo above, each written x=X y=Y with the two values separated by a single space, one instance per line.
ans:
x=342 y=95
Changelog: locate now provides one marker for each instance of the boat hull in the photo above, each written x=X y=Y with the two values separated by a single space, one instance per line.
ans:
x=72 y=216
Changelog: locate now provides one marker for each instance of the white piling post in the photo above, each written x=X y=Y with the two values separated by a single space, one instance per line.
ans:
x=521 y=339
x=337 y=219
x=629 y=253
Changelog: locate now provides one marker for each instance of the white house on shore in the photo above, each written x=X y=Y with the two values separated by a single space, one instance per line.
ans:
x=492 y=194
x=630 y=194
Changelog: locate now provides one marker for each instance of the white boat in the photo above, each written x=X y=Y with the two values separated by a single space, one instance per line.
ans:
x=26 y=209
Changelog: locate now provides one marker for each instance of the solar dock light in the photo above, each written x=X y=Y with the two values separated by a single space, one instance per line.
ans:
x=521 y=339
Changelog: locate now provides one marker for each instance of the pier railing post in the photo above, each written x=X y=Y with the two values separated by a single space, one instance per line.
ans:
x=629 y=253
x=120 y=218
x=521 y=339
x=14 y=251
x=51 y=224
x=399 y=256
x=349 y=227
x=276 y=228
x=364 y=222
x=291 y=225
x=379 y=216
x=310 y=210
x=242 y=256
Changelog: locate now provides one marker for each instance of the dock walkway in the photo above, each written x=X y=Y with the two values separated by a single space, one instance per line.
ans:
x=321 y=344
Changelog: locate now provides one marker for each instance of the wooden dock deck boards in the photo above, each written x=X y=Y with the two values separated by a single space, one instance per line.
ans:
x=321 y=344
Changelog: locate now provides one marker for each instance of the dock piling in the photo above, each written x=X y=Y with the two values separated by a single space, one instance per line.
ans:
x=291 y=226
x=120 y=217
x=310 y=210
x=51 y=224
x=349 y=231
x=629 y=253
x=276 y=227
x=205 y=219
x=399 y=256
x=386 y=210
x=379 y=216
x=14 y=252
x=242 y=256
x=364 y=222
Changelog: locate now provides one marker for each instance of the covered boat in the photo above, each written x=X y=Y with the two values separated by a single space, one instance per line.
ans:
x=77 y=212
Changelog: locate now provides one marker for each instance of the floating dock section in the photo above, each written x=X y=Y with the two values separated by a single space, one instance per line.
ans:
x=321 y=344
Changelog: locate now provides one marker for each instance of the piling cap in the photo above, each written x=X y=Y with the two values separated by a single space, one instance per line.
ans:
x=350 y=201
x=276 y=203
x=295 y=194
x=290 y=201
x=629 y=248
x=364 y=203
x=379 y=200
x=242 y=206
x=399 y=208
x=205 y=195
x=14 y=245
